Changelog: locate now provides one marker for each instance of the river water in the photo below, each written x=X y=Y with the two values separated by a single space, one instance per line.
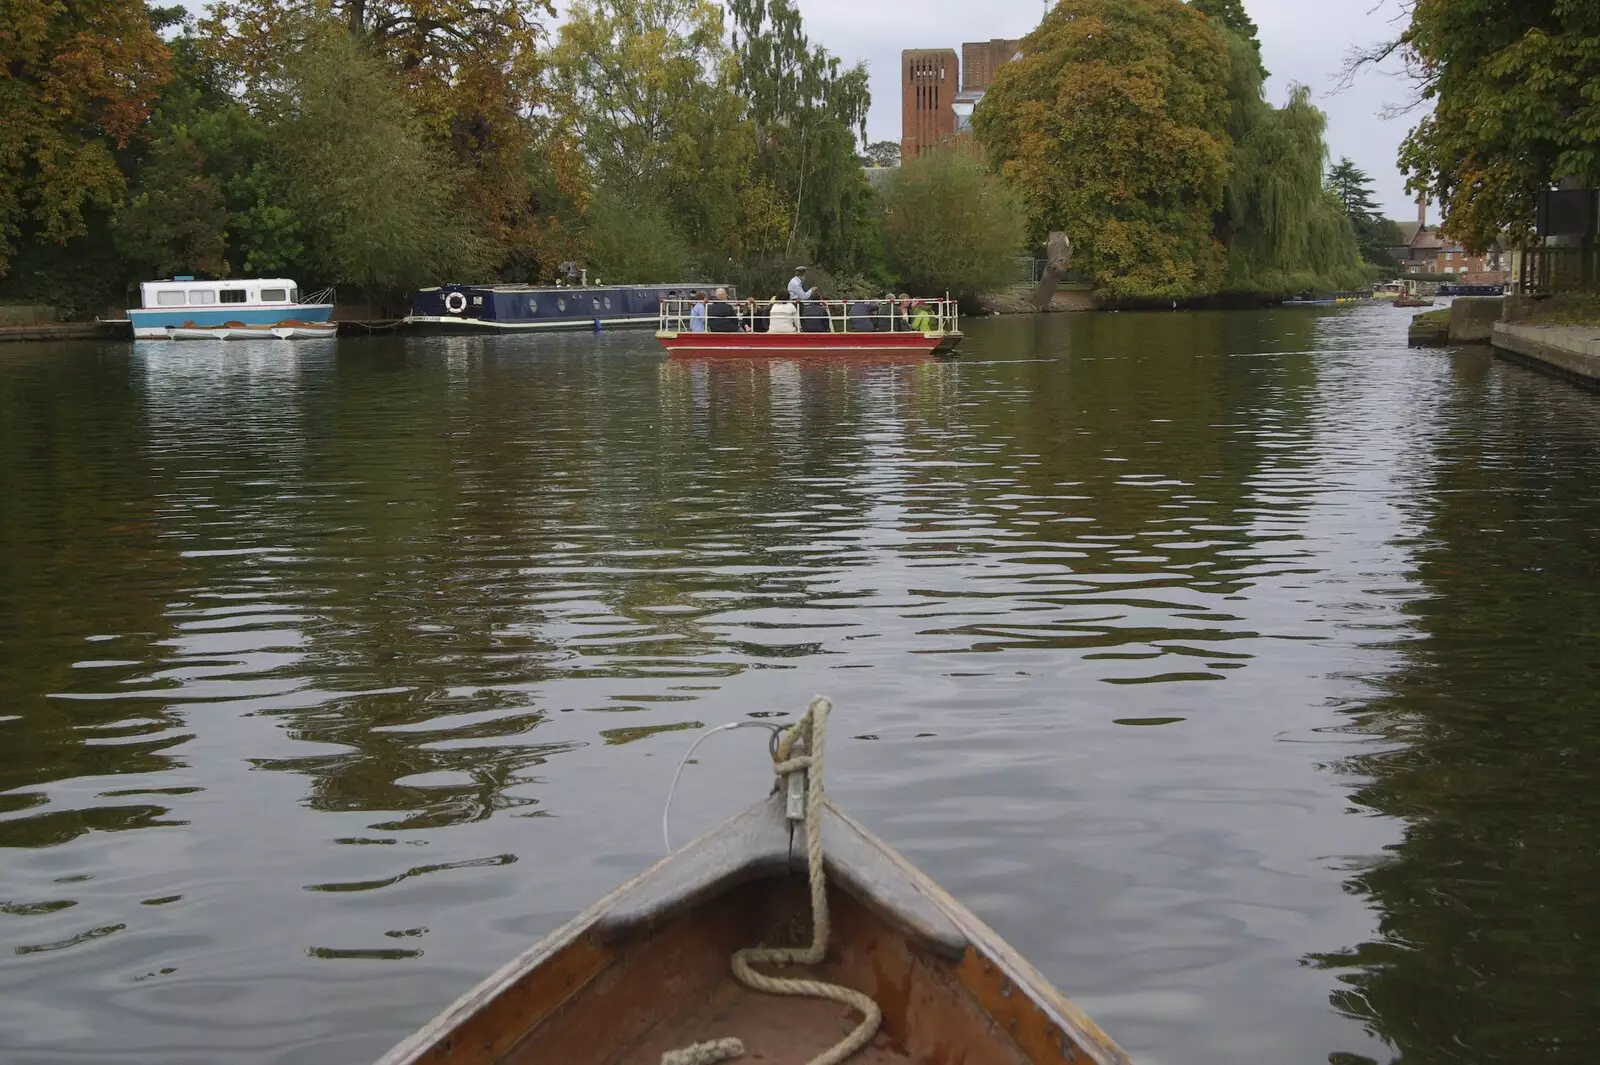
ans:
x=1239 y=668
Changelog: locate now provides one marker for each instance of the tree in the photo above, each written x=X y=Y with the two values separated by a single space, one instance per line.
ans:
x=1286 y=232
x=950 y=225
x=1234 y=18
x=1353 y=188
x=176 y=221
x=470 y=71
x=635 y=241
x=1512 y=83
x=377 y=197
x=806 y=115
x=1111 y=125
x=79 y=79
x=883 y=153
x=1375 y=235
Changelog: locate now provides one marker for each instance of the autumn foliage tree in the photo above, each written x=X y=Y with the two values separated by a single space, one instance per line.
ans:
x=1111 y=125
x=77 y=85
x=470 y=71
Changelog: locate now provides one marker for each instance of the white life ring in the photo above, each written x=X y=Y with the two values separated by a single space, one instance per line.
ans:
x=455 y=302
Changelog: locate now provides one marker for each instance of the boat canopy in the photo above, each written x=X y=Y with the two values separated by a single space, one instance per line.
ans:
x=187 y=292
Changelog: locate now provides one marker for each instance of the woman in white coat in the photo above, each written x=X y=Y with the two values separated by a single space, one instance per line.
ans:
x=784 y=317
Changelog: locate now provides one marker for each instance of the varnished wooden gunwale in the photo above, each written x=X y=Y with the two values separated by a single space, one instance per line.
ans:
x=539 y=1007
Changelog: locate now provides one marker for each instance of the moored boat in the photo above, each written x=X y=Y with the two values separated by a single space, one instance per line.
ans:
x=1406 y=299
x=182 y=308
x=819 y=327
x=661 y=970
x=467 y=309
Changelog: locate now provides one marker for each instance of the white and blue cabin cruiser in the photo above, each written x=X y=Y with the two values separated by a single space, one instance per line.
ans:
x=183 y=309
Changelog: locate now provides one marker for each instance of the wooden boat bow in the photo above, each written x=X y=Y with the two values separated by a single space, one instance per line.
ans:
x=645 y=968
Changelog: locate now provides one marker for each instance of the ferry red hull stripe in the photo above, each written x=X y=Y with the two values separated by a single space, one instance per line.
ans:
x=793 y=344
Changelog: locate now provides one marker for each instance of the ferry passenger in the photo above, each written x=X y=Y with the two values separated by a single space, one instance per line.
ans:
x=720 y=316
x=697 y=314
x=784 y=316
x=921 y=319
x=797 y=286
x=755 y=316
x=814 y=317
x=863 y=316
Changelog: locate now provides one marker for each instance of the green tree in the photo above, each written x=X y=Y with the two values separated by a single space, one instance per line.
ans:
x=1112 y=126
x=377 y=197
x=1234 y=18
x=1353 y=188
x=1375 y=235
x=882 y=153
x=77 y=85
x=807 y=116
x=1515 y=111
x=176 y=220
x=635 y=241
x=951 y=225
x=470 y=73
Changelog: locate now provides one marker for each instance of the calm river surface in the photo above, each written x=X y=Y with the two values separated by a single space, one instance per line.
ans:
x=1240 y=668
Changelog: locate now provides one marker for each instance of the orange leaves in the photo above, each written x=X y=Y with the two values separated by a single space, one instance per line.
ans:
x=1112 y=126
x=80 y=78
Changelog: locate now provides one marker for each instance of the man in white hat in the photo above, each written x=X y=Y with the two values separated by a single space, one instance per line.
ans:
x=797 y=285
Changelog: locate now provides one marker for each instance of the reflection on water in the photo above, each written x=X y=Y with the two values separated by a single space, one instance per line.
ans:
x=1236 y=666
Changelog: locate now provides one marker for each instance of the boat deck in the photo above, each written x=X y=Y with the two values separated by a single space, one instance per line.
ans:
x=775 y=1029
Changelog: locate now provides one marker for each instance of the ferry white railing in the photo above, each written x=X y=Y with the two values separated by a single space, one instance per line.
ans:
x=843 y=316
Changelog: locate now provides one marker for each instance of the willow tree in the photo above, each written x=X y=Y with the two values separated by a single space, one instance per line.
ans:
x=1284 y=231
x=1112 y=126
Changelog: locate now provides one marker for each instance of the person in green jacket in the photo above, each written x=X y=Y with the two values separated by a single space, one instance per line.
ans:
x=921 y=320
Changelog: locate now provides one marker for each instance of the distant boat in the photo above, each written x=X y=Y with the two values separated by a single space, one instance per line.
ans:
x=1408 y=300
x=523 y=308
x=217 y=309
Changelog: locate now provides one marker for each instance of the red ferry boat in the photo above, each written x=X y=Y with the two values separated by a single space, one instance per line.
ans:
x=780 y=329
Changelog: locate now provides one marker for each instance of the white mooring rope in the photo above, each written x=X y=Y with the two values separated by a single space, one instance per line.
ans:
x=812 y=729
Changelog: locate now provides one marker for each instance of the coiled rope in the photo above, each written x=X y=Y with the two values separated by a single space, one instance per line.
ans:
x=812 y=729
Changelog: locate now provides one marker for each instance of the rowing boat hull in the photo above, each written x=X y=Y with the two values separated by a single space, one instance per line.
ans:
x=804 y=345
x=645 y=969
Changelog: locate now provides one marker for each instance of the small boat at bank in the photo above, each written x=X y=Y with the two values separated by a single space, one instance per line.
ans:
x=182 y=308
x=1406 y=299
x=821 y=327
x=657 y=972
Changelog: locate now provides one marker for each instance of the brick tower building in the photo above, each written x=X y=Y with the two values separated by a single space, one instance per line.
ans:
x=928 y=81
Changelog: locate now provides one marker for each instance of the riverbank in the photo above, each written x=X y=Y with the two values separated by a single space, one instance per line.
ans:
x=1572 y=351
x=65 y=331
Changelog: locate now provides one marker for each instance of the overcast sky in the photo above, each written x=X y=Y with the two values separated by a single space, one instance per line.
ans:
x=1301 y=40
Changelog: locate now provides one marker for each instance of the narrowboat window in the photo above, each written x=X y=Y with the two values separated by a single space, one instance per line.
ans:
x=561 y=303
x=273 y=295
x=170 y=298
x=533 y=306
x=608 y=303
x=597 y=303
x=294 y=295
x=233 y=295
x=202 y=295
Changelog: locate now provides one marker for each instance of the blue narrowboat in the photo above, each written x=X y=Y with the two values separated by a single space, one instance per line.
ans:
x=520 y=308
